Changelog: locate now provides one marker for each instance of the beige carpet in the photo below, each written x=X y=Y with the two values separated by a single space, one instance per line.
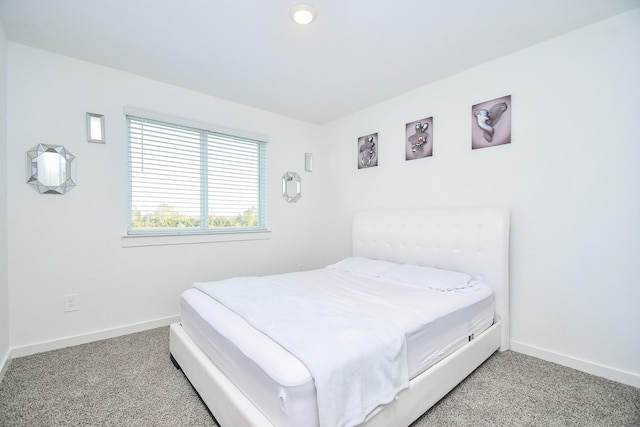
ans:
x=130 y=381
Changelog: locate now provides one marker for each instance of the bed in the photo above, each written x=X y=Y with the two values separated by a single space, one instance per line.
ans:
x=251 y=381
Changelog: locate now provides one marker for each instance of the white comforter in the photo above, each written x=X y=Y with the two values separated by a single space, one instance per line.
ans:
x=358 y=361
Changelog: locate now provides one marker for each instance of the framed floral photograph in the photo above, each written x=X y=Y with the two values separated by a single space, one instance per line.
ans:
x=368 y=151
x=491 y=123
x=419 y=139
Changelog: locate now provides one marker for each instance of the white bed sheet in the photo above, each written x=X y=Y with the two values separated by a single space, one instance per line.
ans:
x=282 y=387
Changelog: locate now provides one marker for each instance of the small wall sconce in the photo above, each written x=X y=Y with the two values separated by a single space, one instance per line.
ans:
x=308 y=162
x=95 y=128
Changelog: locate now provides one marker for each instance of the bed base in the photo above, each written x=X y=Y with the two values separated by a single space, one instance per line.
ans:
x=232 y=408
x=473 y=240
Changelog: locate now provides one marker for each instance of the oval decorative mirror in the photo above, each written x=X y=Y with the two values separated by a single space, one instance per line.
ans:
x=291 y=186
x=50 y=169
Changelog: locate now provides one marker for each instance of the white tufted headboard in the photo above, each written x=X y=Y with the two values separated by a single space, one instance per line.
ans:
x=471 y=240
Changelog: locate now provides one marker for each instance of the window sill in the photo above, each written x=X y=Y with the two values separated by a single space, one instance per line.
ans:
x=133 y=240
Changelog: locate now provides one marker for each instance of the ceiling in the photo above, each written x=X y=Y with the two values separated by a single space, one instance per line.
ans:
x=357 y=52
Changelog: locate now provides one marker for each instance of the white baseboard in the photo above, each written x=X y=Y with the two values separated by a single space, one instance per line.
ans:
x=90 y=337
x=607 y=372
x=4 y=364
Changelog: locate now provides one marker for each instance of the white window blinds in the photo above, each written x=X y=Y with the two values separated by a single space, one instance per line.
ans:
x=184 y=179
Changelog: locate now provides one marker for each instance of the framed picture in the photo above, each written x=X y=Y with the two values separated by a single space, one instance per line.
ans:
x=491 y=123
x=419 y=139
x=368 y=151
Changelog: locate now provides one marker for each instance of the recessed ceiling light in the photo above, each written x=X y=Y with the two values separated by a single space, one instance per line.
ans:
x=303 y=14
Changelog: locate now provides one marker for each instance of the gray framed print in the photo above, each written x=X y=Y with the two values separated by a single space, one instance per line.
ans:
x=419 y=139
x=491 y=123
x=368 y=151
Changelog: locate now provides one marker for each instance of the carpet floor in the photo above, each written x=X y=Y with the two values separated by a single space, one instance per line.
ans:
x=130 y=381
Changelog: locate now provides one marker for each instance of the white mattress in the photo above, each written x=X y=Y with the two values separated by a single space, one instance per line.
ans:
x=281 y=386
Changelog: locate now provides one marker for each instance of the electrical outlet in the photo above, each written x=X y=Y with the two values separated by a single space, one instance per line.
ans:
x=71 y=302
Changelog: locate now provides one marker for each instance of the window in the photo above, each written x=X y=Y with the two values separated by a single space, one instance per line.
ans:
x=185 y=179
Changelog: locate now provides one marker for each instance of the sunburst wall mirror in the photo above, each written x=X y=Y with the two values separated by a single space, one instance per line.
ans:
x=50 y=169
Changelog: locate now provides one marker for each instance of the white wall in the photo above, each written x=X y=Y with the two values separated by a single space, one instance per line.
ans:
x=72 y=244
x=4 y=284
x=570 y=177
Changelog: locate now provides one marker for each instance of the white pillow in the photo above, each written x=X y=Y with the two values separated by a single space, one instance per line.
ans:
x=408 y=274
x=363 y=266
x=435 y=278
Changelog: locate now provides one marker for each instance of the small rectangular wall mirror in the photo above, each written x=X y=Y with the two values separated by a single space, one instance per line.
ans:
x=95 y=128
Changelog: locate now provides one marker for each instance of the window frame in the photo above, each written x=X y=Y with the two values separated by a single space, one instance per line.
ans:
x=164 y=236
